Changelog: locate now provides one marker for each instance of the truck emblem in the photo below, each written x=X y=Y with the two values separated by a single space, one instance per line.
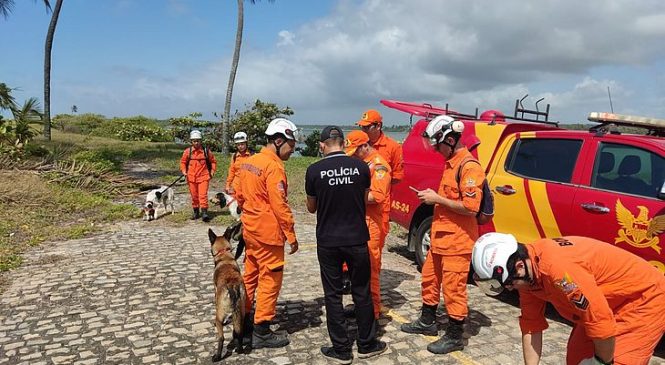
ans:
x=640 y=231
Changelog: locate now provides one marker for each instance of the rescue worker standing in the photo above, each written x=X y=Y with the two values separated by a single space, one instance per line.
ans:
x=454 y=230
x=391 y=151
x=615 y=299
x=198 y=164
x=261 y=191
x=337 y=187
x=357 y=145
x=242 y=154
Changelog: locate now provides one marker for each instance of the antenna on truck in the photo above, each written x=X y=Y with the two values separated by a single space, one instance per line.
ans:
x=610 y=96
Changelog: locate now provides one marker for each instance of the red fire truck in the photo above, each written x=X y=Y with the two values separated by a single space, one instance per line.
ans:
x=548 y=181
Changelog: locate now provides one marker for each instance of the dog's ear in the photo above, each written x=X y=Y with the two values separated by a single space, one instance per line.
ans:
x=158 y=194
x=222 y=199
x=212 y=236
x=240 y=248
x=232 y=230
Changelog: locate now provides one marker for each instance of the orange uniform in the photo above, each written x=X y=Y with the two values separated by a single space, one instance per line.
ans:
x=452 y=237
x=606 y=291
x=374 y=216
x=198 y=175
x=391 y=151
x=261 y=191
x=237 y=160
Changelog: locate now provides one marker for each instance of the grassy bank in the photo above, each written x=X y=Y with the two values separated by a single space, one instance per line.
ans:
x=36 y=207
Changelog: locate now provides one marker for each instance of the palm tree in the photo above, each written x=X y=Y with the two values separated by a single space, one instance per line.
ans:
x=47 y=68
x=232 y=75
x=6 y=99
x=6 y=7
x=24 y=116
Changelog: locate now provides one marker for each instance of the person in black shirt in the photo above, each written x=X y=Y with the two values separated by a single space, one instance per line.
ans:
x=337 y=188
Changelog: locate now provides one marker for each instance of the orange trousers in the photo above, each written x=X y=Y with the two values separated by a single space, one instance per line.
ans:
x=264 y=269
x=634 y=346
x=377 y=239
x=452 y=272
x=199 y=193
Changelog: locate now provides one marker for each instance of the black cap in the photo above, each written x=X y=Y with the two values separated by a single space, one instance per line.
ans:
x=331 y=131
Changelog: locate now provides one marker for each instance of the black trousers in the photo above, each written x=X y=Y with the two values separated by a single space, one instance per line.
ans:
x=357 y=260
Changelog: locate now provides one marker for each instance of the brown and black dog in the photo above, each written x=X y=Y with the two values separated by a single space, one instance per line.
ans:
x=229 y=288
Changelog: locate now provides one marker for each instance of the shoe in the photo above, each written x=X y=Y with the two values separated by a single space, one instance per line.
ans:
x=425 y=324
x=196 y=215
x=338 y=357
x=451 y=341
x=263 y=336
x=377 y=348
x=204 y=215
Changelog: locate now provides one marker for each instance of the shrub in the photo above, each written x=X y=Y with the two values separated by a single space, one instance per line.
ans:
x=311 y=144
x=254 y=122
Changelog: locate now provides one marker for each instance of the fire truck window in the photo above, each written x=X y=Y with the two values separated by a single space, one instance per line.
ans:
x=628 y=169
x=545 y=159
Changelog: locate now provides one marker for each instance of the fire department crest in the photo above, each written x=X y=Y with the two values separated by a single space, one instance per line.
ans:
x=639 y=231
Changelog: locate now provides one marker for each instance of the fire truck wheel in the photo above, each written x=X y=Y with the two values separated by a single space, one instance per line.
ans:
x=422 y=242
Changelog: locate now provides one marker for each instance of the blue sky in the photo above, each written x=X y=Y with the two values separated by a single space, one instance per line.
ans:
x=331 y=59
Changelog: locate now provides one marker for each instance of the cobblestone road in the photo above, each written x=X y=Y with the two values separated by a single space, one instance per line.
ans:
x=142 y=294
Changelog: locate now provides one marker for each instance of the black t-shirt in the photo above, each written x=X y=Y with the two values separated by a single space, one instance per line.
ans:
x=338 y=183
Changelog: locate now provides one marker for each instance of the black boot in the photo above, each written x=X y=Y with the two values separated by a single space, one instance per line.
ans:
x=204 y=216
x=451 y=341
x=425 y=324
x=263 y=336
x=196 y=215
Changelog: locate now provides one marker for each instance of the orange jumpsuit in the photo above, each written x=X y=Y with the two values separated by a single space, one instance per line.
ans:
x=237 y=160
x=374 y=216
x=452 y=237
x=391 y=151
x=261 y=191
x=198 y=176
x=604 y=290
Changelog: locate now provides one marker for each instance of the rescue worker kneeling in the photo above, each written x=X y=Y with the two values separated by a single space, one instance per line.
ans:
x=261 y=191
x=615 y=299
x=357 y=145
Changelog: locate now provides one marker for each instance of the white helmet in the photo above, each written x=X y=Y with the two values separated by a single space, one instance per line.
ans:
x=490 y=261
x=240 y=137
x=439 y=127
x=282 y=126
x=195 y=134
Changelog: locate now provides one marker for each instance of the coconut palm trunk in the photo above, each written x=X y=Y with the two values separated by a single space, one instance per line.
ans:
x=232 y=78
x=47 y=69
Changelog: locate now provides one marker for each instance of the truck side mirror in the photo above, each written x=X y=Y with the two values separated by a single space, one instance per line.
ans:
x=661 y=194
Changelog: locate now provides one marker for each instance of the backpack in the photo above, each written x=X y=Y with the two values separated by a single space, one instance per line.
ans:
x=486 y=210
x=205 y=153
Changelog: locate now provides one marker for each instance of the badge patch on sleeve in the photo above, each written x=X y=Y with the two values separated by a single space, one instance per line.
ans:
x=380 y=172
x=470 y=182
x=566 y=284
x=580 y=301
x=281 y=186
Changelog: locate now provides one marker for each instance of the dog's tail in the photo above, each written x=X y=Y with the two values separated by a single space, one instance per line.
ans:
x=240 y=247
x=237 y=296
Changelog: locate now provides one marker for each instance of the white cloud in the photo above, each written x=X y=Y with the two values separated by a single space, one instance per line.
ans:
x=285 y=38
x=470 y=54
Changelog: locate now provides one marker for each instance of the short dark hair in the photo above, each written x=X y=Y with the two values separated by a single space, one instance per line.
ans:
x=521 y=254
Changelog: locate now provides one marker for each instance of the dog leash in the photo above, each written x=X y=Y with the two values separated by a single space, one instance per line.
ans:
x=173 y=183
